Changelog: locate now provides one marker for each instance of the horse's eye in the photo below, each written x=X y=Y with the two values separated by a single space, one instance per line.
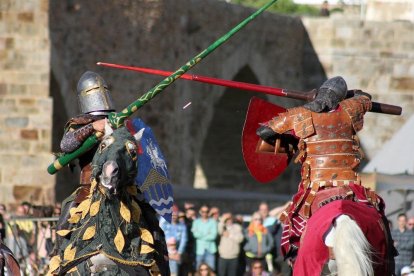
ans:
x=131 y=149
x=106 y=143
x=102 y=146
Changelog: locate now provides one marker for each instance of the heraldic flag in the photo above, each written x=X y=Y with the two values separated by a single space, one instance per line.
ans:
x=152 y=178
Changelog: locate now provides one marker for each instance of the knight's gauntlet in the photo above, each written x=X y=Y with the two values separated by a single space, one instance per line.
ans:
x=283 y=143
x=264 y=147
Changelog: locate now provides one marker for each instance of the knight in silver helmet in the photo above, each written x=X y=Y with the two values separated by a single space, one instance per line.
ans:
x=93 y=95
x=95 y=104
x=329 y=95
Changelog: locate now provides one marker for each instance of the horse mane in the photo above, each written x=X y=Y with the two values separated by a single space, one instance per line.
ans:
x=351 y=248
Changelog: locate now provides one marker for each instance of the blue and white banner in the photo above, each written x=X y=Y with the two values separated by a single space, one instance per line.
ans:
x=152 y=178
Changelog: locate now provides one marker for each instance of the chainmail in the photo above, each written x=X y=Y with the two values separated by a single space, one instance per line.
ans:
x=73 y=139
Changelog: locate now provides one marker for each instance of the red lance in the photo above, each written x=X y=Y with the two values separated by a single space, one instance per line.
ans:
x=264 y=167
x=281 y=92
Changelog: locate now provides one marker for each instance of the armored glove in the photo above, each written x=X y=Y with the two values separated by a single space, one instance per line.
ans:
x=358 y=92
x=267 y=134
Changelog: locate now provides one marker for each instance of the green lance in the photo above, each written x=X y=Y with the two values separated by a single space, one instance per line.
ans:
x=117 y=119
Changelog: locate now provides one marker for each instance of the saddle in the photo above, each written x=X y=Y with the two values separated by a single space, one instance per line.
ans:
x=8 y=262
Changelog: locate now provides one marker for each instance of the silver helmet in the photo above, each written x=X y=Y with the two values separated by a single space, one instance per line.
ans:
x=93 y=94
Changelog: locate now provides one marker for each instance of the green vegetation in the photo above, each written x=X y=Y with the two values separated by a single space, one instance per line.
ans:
x=281 y=6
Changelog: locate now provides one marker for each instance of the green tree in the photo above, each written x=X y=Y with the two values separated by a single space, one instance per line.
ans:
x=281 y=6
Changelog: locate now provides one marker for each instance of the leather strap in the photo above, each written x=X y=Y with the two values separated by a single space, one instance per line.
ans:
x=82 y=193
x=85 y=175
x=306 y=209
x=318 y=198
x=373 y=198
x=326 y=196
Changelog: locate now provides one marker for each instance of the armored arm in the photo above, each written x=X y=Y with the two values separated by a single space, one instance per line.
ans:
x=276 y=135
x=72 y=139
x=77 y=133
x=267 y=134
x=356 y=107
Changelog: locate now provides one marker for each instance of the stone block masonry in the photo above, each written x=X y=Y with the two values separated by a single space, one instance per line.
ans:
x=26 y=108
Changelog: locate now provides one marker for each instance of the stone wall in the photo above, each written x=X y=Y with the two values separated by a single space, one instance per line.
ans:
x=390 y=10
x=377 y=57
x=26 y=108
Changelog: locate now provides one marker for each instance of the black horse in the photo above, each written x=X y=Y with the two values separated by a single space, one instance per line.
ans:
x=113 y=231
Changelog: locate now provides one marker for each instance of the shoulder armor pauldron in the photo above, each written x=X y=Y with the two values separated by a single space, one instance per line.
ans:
x=356 y=108
x=82 y=119
x=302 y=122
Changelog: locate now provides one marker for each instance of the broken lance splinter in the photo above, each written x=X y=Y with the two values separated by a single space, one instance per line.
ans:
x=306 y=96
x=117 y=119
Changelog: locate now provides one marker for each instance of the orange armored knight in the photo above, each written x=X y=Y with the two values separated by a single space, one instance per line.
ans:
x=329 y=151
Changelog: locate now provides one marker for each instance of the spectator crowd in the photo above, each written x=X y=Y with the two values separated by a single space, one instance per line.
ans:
x=204 y=241
x=200 y=241
x=403 y=237
x=223 y=244
x=29 y=233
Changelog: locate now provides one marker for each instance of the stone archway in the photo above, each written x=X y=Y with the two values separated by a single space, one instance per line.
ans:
x=221 y=158
x=221 y=163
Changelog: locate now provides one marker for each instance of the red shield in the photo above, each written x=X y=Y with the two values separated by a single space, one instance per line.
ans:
x=264 y=167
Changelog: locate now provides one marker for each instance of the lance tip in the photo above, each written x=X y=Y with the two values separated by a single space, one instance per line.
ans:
x=187 y=105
